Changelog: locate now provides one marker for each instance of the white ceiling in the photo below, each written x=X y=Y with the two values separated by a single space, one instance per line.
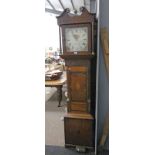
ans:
x=57 y=6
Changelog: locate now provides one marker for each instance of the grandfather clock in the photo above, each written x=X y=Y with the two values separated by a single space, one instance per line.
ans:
x=78 y=48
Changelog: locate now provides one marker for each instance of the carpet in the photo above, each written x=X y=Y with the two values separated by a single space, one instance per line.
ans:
x=54 y=124
x=57 y=150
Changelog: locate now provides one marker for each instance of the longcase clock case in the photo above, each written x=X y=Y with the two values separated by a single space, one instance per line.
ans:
x=78 y=47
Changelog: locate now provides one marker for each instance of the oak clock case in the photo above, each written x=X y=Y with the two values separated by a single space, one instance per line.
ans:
x=77 y=46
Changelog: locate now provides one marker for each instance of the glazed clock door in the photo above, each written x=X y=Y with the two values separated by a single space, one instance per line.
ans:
x=78 y=88
x=76 y=39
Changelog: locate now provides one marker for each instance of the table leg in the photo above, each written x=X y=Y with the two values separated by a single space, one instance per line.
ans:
x=59 y=95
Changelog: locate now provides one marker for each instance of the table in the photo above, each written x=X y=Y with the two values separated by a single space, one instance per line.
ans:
x=58 y=84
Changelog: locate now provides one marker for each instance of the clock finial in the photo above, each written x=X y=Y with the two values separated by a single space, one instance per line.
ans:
x=82 y=9
x=67 y=10
x=75 y=11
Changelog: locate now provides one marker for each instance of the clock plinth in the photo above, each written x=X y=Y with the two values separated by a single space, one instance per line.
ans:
x=79 y=130
x=78 y=51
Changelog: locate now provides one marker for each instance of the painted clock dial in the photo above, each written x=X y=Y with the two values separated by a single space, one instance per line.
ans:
x=76 y=39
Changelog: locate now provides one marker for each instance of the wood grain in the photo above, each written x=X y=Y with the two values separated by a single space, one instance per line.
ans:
x=79 y=131
x=58 y=82
x=105 y=46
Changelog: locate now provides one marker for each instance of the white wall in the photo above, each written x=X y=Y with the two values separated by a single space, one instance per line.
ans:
x=51 y=31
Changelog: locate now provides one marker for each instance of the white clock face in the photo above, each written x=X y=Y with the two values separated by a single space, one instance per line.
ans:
x=76 y=39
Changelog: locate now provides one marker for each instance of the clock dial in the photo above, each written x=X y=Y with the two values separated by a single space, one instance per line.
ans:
x=76 y=39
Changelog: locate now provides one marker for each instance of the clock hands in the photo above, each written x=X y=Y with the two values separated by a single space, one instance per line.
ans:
x=76 y=36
